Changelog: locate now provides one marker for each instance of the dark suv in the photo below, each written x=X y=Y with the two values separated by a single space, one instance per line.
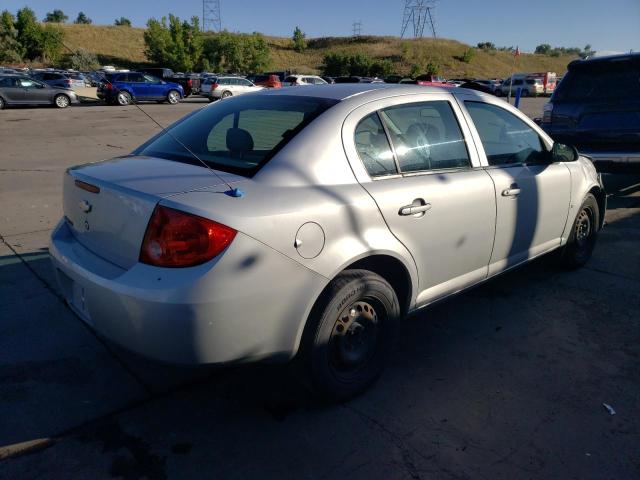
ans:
x=596 y=107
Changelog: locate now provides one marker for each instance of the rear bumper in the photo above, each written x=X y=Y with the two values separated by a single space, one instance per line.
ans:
x=229 y=309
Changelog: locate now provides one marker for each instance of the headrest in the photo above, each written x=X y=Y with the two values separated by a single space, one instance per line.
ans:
x=239 y=140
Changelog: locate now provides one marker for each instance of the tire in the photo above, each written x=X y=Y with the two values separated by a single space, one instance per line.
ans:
x=123 y=99
x=226 y=94
x=61 y=101
x=584 y=232
x=2 y=103
x=349 y=334
x=173 y=97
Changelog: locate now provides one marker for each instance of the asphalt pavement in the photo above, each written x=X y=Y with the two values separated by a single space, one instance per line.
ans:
x=508 y=380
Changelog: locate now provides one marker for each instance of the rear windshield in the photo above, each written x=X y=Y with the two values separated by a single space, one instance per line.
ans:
x=237 y=135
x=604 y=81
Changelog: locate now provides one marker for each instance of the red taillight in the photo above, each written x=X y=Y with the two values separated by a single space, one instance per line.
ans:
x=214 y=86
x=178 y=239
x=107 y=86
x=189 y=83
x=68 y=82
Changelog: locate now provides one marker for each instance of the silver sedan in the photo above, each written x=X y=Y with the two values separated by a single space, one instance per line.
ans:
x=308 y=222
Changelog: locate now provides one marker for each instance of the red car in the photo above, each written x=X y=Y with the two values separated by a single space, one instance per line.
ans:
x=432 y=81
x=268 y=81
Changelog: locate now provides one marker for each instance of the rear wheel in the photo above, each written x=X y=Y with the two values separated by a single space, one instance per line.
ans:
x=583 y=235
x=124 y=98
x=2 y=103
x=226 y=94
x=350 y=334
x=173 y=97
x=61 y=101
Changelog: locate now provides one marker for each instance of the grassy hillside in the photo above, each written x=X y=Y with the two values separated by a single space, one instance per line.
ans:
x=124 y=46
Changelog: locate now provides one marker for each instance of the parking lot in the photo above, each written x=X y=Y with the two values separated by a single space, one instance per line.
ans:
x=506 y=381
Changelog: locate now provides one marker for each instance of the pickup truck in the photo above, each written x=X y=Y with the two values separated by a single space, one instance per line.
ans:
x=432 y=81
x=190 y=83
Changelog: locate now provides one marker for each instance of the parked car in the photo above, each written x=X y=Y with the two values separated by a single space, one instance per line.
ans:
x=227 y=86
x=58 y=79
x=432 y=81
x=267 y=81
x=293 y=80
x=357 y=79
x=329 y=80
x=476 y=85
x=308 y=221
x=125 y=88
x=393 y=78
x=282 y=74
x=190 y=83
x=596 y=106
x=531 y=87
x=23 y=90
x=490 y=85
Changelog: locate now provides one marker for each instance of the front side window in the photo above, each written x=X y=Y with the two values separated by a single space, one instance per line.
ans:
x=237 y=136
x=373 y=147
x=24 y=83
x=506 y=139
x=426 y=136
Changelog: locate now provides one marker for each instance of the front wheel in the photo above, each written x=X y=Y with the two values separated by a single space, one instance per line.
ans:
x=61 y=101
x=350 y=334
x=583 y=235
x=173 y=97
x=226 y=94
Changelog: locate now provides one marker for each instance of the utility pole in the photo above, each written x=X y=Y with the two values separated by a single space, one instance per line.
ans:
x=357 y=28
x=415 y=15
x=211 y=20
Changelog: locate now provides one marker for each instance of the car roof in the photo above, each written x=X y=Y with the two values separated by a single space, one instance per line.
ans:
x=366 y=91
x=606 y=59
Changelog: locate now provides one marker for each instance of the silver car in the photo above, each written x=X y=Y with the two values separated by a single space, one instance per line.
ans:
x=223 y=87
x=20 y=90
x=308 y=222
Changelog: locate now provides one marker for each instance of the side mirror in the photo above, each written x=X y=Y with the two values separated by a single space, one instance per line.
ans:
x=564 y=153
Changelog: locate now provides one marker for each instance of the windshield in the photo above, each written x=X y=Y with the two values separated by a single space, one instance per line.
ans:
x=237 y=135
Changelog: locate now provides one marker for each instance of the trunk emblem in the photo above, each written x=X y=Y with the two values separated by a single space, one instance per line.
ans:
x=85 y=206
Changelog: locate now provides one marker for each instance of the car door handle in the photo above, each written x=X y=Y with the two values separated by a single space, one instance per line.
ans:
x=512 y=191
x=413 y=209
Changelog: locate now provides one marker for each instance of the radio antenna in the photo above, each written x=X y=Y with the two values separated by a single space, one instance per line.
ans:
x=232 y=192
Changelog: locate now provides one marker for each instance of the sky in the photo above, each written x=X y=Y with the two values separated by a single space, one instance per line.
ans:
x=612 y=25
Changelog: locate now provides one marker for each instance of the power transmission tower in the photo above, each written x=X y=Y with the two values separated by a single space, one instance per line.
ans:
x=211 y=16
x=357 y=28
x=416 y=14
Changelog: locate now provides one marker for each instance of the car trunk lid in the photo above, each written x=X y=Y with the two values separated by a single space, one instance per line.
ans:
x=108 y=204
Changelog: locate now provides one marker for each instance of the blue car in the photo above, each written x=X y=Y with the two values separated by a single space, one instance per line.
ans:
x=124 y=88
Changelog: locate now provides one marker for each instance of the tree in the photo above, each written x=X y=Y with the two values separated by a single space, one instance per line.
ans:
x=57 y=16
x=176 y=44
x=236 y=52
x=83 y=19
x=10 y=49
x=467 y=55
x=122 y=22
x=486 y=46
x=29 y=33
x=82 y=59
x=299 y=42
x=50 y=43
x=432 y=68
x=543 y=49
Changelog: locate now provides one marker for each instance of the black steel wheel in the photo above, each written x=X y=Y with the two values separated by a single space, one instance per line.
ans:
x=584 y=233
x=350 y=334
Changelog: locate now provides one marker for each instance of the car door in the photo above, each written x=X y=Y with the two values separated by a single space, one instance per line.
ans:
x=139 y=86
x=429 y=187
x=155 y=87
x=35 y=92
x=532 y=194
x=11 y=90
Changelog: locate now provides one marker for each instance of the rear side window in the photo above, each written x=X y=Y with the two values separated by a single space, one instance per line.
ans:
x=609 y=81
x=373 y=147
x=506 y=139
x=238 y=135
x=426 y=136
